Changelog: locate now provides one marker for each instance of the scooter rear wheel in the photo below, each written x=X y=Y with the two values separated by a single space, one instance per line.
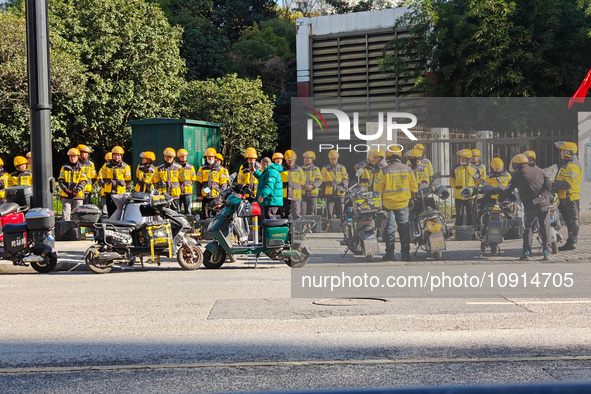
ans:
x=96 y=266
x=215 y=260
x=48 y=264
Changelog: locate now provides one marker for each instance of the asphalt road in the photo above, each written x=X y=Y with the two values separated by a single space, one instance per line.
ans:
x=238 y=329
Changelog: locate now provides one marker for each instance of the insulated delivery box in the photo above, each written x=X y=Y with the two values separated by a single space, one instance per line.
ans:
x=158 y=235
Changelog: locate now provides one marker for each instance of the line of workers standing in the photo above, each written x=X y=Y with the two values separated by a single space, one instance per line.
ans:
x=284 y=188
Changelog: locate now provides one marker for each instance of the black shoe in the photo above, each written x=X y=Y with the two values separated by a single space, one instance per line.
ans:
x=389 y=257
x=567 y=247
x=406 y=257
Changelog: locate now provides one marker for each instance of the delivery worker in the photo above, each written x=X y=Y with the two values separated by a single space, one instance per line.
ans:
x=534 y=189
x=146 y=172
x=397 y=184
x=478 y=164
x=72 y=181
x=108 y=157
x=335 y=181
x=115 y=176
x=419 y=167
x=210 y=181
x=498 y=177
x=461 y=177
x=245 y=176
x=4 y=181
x=89 y=169
x=531 y=156
x=187 y=177
x=312 y=182
x=21 y=176
x=167 y=177
x=368 y=168
x=568 y=186
x=220 y=160
x=295 y=183
x=424 y=162
x=29 y=161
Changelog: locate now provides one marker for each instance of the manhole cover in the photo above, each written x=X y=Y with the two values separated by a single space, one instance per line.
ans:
x=348 y=301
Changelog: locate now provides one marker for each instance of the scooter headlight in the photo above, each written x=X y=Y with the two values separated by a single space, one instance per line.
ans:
x=434 y=227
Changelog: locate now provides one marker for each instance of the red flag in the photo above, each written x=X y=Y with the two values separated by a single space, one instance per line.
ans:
x=581 y=93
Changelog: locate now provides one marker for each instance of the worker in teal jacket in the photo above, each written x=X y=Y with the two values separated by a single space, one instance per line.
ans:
x=269 y=192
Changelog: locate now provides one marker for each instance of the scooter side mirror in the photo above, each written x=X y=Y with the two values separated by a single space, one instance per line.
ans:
x=359 y=172
x=442 y=192
x=233 y=176
x=512 y=198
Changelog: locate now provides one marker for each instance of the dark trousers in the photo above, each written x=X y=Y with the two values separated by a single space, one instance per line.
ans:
x=397 y=218
x=309 y=205
x=334 y=206
x=86 y=198
x=570 y=212
x=111 y=207
x=206 y=212
x=185 y=204
x=270 y=212
x=285 y=209
x=464 y=212
x=541 y=215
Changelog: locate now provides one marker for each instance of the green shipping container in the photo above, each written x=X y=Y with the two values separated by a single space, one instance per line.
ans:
x=157 y=134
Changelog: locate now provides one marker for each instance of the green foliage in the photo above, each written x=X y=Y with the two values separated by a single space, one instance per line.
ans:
x=67 y=80
x=237 y=16
x=205 y=49
x=345 y=7
x=241 y=105
x=133 y=69
x=492 y=48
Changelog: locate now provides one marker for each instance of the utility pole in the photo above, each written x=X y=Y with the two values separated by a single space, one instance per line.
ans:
x=39 y=102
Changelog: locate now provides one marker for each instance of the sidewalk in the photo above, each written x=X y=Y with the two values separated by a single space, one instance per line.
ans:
x=326 y=248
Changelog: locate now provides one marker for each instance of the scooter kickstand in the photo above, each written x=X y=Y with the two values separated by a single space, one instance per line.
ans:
x=417 y=249
x=346 y=250
x=256 y=261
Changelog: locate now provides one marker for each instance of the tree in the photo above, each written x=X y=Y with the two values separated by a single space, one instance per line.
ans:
x=492 y=48
x=67 y=79
x=205 y=49
x=243 y=108
x=237 y=16
x=132 y=65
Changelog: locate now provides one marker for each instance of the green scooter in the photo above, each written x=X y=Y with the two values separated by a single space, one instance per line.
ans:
x=230 y=229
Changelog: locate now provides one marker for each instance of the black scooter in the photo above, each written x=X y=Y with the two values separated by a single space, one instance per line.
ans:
x=429 y=229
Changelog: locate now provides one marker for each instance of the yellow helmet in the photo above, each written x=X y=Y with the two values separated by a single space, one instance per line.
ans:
x=520 y=159
x=28 y=155
x=73 y=152
x=290 y=155
x=419 y=146
x=182 y=152
x=19 y=160
x=570 y=148
x=1 y=162
x=310 y=154
x=380 y=153
x=250 y=153
x=169 y=152
x=372 y=155
x=84 y=148
x=148 y=155
x=467 y=153
x=209 y=152
x=108 y=156
x=414 y=153
x=394 y=151
x=219 y=156
x=277 y=155
x=333 y=154
x=530 y=154
x=497 y=164
x=118 y=149
x=476 y=152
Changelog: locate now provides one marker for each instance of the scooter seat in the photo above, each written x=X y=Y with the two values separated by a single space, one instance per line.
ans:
x=9 y=207
x=119 y=223
x=12 y=228
x=274 y=222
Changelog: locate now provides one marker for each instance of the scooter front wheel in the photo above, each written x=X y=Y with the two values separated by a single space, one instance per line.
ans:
x=96 y=266
x=215 y=260
x=189 y=256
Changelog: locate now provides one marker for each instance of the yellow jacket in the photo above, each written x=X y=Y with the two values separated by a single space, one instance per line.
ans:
x=295 y=183
x=333 y=176
x=73 y=177
x=187 y=176
x=397 y=184
x=313 y=177
x=166 y=179
x=568 y=180
x=19 y=178
x=4 y=182
x=145 y=175
x=498 y=180
x=460 y=178
x=115 y=177
x=212 y=177
x=90 y=171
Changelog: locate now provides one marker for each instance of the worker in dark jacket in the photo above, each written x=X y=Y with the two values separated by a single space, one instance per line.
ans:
x=534 y=189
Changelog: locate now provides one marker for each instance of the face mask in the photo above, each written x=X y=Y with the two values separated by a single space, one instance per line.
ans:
x=464 y=163
x=210 y=161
